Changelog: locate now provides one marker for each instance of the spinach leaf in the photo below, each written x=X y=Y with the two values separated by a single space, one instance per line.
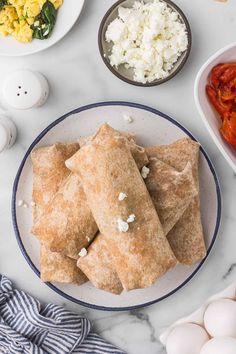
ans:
x=2 y=4
x=45 y=21
x=24 y=17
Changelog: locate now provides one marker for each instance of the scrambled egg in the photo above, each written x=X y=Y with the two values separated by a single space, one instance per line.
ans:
x=18 y=15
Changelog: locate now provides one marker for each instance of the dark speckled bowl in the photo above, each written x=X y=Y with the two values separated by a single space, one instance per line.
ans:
x=127 y=74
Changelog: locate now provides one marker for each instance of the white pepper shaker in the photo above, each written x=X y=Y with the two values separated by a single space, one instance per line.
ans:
x=8 y=133
x=25 y=89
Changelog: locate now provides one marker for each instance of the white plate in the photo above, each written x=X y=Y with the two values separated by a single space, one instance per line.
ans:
x=207 y=113
x=152 y=128
x=67 y=15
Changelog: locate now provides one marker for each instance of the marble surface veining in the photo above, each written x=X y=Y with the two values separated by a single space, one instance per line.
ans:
x=78 y=76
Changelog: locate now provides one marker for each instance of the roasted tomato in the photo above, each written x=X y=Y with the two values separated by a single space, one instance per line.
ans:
x=222 y=94
x=217 y=103
x=228 y=129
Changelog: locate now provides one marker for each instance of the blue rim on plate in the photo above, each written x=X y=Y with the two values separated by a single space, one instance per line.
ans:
x=15 y=186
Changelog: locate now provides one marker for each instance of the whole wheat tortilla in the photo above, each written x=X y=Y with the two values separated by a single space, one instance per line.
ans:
x=186 y=237
x=98 y=267
x=49 y=171
x=107 y=168
x=106 y=131
x=57 y=268
x=171 y=192
x=67 y=224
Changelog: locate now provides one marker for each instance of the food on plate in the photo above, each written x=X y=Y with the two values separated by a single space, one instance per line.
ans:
x=27 y=19
x=220 y=318
x=105 y=131
x=221 y=92
x=220 y=345
x=170 y=190
x=187 y=338
x=186 y=237
x=67 y=224
x=49 y=171
x=149 y=38
x=56 y=267
x=99 y=268
x=110 y=206
x=131 y=227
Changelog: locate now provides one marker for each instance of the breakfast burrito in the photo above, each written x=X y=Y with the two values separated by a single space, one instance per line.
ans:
x=67 y=224
x=58 y=268
x=186 y=237
x=123 y=211
x=49 y=171
x=106 y=131
x=171 y=192
x=98 y=267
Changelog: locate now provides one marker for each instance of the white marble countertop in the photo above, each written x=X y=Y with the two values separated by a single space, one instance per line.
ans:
x=77 y=77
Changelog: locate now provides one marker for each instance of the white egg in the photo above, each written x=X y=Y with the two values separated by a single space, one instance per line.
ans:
x=220 y=345
x=186 y=339
x=220 y=318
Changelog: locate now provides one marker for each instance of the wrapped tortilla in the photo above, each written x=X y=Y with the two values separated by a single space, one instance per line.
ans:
x=99 y=268
x=49 y=171
x=186 y=237
x=106 y=131
x=67 y=224
x=171 y=192
x=131 y=227
x=57 y=268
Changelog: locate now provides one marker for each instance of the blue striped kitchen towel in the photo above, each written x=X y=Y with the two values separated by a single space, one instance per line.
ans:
x=28 y=328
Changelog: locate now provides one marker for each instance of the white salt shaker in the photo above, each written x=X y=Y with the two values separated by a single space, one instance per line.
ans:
x=8 y=133
x=25 y=89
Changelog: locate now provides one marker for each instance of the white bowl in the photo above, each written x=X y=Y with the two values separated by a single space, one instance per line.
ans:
x=67 y=15
x=207 y=112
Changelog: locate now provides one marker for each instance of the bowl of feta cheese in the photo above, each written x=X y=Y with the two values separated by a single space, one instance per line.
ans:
x=144 y=43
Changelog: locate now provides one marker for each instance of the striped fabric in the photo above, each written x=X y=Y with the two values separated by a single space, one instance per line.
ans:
x=28 y=328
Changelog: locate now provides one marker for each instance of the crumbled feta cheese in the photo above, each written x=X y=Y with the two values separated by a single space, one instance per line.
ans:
x=20 y=203
x=145 y=172
x=127 y=118
x=122 y=196
x=149 y=38
x=83 y=252
x=131 y=218
x=46 y=32
x=123 y=226
x=115 y=30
